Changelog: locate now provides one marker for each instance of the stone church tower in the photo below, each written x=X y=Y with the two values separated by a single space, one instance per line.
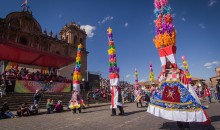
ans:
x=73 y=35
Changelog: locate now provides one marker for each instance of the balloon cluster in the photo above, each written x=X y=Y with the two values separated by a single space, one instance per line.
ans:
x=165 y=31
x=136 y=75
x=151 y=73
x=188 y=76
x=112 y=53
x=77 y=77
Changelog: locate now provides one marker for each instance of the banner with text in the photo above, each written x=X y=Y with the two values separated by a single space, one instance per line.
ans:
x=23 y=86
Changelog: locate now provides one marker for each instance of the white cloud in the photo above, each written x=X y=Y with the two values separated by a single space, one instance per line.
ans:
x=60 y=16
x=142 y=80
x=212 y=63
x=212 y=2
x=89 y=30
x=202 y=26
x=128 y=75
x=126 y=24
x=209 y=65
x=183 y=19
x=106 y=19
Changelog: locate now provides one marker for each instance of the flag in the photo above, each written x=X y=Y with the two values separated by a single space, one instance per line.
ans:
x=24 y=3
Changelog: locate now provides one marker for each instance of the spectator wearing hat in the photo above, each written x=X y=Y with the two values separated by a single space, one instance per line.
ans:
x=59 y=106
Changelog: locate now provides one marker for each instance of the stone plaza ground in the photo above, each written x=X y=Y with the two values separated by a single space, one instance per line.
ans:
x=98 y=118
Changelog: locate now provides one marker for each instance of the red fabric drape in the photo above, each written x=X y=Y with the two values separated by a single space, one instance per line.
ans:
x=171 y=94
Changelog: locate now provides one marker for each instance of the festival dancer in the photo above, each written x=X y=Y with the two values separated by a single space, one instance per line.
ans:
x=175 y=99
x=137 y=91
x=76 y=100
x=116 y=99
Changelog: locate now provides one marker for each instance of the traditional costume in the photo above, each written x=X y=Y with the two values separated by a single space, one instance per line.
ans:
x=116 y=97
x=174 y=99
x=137 y=91
x=76 y=101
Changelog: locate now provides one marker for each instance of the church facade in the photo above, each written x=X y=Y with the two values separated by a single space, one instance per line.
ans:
x=23 y=28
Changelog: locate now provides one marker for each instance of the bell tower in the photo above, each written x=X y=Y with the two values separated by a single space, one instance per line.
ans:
x=73 y=34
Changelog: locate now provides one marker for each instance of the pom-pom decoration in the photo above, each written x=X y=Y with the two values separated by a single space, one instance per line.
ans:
x=151 y=74
x=77 y=77
x=136 y=85
x=136 y=75
x=113 y=69
x=165 y=31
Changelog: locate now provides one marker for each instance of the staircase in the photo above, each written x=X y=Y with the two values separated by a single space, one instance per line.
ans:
x=16 y=99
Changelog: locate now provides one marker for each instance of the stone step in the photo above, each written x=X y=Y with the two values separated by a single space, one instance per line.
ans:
x=16 y=99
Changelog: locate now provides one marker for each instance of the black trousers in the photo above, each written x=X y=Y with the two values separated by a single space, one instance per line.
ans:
x=139 y=102
x=79 y=109
x=120 y=109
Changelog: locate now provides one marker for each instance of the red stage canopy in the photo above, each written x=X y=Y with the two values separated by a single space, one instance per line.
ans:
x=16 y=52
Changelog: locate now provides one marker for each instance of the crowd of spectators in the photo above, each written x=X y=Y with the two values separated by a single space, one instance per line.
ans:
x=207 y=91
x=24 y=74
x=104 y=90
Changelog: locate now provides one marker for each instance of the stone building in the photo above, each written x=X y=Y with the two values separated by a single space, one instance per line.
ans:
x=216 y=78
x=22 y=28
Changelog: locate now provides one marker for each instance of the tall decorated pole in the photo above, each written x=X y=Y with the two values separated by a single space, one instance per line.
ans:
x=136 y=75
x=151 y=74
x=116 y=100
x=165 y=39
x=187 y=74
x=136 y=78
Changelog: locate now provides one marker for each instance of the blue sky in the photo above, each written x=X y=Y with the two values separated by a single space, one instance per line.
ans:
x=196 y=22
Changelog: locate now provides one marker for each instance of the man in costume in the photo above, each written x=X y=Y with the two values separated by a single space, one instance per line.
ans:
x=116 y=97
x=137 y=91
x=76 y=101
x=175 y=99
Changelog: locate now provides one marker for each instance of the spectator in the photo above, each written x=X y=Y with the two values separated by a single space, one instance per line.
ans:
x=23 y=109
x=5 y=111
x=37 y=97
x=49 y=106
x=207 y=94
x=218 y=90
x=59 y=106
x=33 y=109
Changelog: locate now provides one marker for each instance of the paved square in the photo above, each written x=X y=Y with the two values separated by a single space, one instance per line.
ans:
x=98 y=118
